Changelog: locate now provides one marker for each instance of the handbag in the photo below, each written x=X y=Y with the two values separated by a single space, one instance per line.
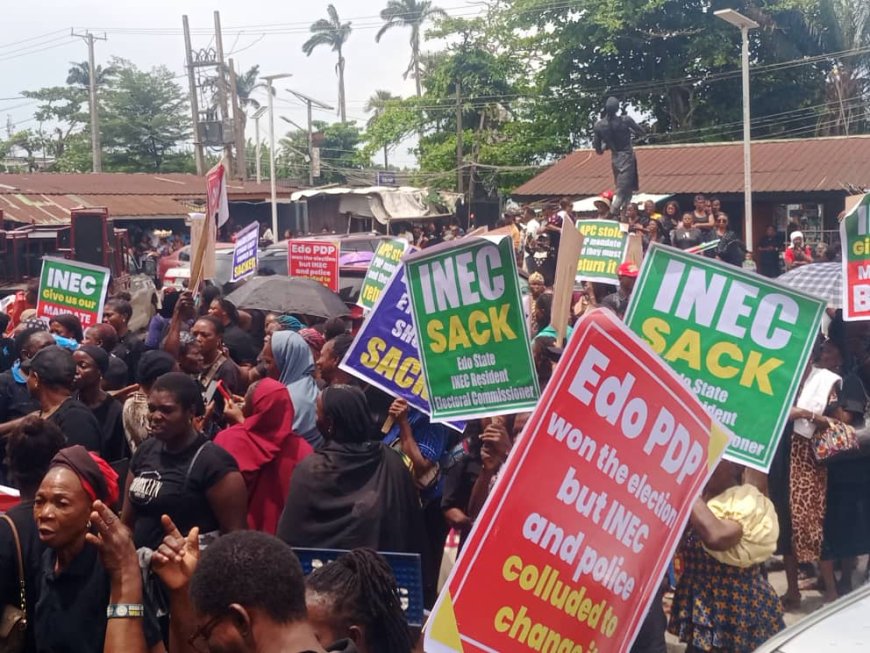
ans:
x=13 y=620
x=836 y=442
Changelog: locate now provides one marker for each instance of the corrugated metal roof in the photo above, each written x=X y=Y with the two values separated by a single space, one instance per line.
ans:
x=43 y=209
x=173 y=184
x=797 y=165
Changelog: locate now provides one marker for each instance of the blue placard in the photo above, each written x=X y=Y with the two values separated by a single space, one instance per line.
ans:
x=406 y=569
x=245 y=252
x=384 y=352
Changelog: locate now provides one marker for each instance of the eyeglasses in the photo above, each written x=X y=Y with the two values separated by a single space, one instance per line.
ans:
x=721 y=221
x=199 y=639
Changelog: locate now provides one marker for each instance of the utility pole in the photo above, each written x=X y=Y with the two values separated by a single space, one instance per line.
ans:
x=223 y=94
x=310 y=102
x=238 y=126
x=257 y=115
x=459 y=156
x=92 y=99
x=194 y=104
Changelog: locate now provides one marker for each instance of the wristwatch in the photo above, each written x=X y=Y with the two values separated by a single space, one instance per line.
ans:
x=124 y=610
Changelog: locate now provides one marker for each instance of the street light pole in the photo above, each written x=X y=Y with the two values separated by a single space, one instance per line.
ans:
x=269 y=79
x=257 y=115
x=744 y=24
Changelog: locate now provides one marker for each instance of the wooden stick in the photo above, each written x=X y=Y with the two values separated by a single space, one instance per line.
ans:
x=388 y=424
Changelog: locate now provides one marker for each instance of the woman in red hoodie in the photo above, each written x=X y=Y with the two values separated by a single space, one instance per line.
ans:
x=262 y=441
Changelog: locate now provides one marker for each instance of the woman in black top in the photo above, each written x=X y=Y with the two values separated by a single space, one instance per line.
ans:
x=92 y=362
x=239 y=343
x=687 y=235
x=29 y=451
x=70 y=615
x=50 y=376
x=177 y=472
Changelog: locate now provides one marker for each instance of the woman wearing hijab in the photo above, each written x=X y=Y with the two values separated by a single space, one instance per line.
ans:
x=355 y=491
x=92 y=363
x=262 y=441
x=70 y=615
x=288 y=358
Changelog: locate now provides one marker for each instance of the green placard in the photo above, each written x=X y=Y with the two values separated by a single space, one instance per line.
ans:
x=604 y=245
x=467 y=308
x=387 y=258
x=739 y=341
x=72 y=287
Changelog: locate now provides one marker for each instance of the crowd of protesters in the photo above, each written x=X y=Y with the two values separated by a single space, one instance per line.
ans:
x=165 y=477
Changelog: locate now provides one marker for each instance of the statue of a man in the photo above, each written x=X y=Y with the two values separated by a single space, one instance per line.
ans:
x=614 y=133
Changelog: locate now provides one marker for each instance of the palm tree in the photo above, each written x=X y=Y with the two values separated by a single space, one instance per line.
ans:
x=246 y=84
x=413 y=14
x=80 y=74
x=334 y=33
x=376 y=105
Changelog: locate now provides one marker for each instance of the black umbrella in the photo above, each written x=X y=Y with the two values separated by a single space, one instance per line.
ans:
x=279 y=294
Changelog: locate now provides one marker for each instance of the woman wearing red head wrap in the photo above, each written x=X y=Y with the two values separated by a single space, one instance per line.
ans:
x=266 y=449
x=70 y=616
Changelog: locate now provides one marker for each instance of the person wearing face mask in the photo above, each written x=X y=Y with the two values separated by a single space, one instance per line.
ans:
x=262 y=441
x=70 y=615
x=15 y=399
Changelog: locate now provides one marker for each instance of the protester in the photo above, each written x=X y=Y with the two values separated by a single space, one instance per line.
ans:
x=602 y=207
x=287 y=357
x=91 y=363
x=355 y=597
x=190 y=359
x=618 y=301
x=332 y=353
x=768 y=253
x=797 y=253
x=66 y=325
x=460 y=479
x=334 y=327
x=262 y=441
x=118 y=313
x=177 y=472
x=104 y=335
x=702 y=216
x=208 y=331
x=669 y=221
x=536 y=289
x=543 y=316
x=152 y=365
x=70 y=614
x=15 y=398
x=723 y=601
x=315 y=341
x=50 y=376
x=543 y=359
x=161 y=319
x=239 y=344
x=687 y=235
x=246 y=595
x=542 y=258
x=354 y=491
x=730 y=249
x=29 y=451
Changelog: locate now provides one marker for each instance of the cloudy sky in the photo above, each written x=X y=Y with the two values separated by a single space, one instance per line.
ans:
x=36 y=49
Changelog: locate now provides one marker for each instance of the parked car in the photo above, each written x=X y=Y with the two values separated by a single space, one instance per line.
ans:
x=839 y=626
x=180 y=258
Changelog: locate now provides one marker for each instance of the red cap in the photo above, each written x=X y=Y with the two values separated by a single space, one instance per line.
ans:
x=627 y=269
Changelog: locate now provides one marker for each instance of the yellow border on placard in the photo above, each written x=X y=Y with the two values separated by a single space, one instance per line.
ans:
x=444 y=629
x=718 y=441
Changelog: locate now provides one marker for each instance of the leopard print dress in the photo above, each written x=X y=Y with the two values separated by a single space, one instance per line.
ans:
x=808 y=484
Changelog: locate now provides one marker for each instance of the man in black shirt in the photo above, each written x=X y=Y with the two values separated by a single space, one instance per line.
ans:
x=104 y=335
x=129 y=347
x=768 y=253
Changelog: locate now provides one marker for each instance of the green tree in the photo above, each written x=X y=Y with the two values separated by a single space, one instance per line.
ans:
x=376 y=105
x=80 y=75
x=246 y=84
x=145 y=121
x=413 y=14
x=334 y=33
x=62 y=110
x=340 y=156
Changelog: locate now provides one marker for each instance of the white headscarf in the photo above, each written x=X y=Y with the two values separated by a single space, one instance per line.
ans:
x=795 y=235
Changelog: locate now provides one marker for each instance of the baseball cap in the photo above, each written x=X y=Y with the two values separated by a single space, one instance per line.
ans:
x=54 y=365
x=627 y=269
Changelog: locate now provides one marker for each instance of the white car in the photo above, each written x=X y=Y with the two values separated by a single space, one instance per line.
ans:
x=842 y=626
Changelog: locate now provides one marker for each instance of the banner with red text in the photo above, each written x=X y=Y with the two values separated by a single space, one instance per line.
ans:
x=314 y=259
x=574 y=539
x=855 y=241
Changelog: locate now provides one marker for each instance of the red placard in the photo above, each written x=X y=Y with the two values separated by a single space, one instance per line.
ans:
x=574 y=540
x=314 y=259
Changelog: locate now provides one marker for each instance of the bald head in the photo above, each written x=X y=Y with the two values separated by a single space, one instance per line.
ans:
x=102 y=335
x=611 y=106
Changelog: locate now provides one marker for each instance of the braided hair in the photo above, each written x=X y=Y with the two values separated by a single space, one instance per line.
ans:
x=362 y=589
